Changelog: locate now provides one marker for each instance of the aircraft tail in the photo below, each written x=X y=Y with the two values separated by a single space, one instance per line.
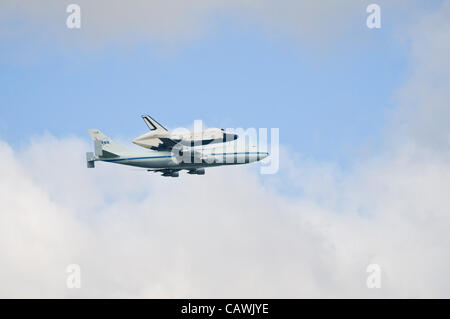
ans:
x=104 y=147
x=152 y=124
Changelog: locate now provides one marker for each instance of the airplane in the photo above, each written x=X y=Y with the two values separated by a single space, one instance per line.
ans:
x=170 y=152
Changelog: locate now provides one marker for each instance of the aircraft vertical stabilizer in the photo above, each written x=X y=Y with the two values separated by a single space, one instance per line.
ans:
x=104 y=146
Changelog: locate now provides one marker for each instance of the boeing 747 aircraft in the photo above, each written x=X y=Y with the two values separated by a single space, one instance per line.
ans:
x=169 y=152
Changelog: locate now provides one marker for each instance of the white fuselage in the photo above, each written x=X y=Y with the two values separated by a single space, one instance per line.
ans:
x=168 y=160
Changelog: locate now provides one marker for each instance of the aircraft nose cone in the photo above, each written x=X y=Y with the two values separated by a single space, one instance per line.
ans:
x=262 y=155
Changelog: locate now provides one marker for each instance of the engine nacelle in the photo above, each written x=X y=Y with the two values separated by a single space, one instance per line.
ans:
x=171 y=174
x=197 y=171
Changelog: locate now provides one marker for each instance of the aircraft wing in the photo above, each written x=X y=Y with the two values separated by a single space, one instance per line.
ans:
x=167 y=143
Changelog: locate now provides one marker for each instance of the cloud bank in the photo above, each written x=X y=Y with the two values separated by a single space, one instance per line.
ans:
x=224 y=234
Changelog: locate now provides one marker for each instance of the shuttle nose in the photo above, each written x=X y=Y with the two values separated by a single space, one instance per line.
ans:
x=228 y=137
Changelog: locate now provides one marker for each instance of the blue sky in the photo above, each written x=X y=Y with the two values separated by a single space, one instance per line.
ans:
x=328 y=100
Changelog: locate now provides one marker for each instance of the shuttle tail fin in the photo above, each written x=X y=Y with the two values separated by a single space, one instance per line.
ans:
x=152 y=124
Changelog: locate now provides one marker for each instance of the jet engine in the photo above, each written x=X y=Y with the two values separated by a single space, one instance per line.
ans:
x=197 y=171
x=171 y=174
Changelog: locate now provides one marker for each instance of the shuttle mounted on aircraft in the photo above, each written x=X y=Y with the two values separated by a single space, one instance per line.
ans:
x=170 y=152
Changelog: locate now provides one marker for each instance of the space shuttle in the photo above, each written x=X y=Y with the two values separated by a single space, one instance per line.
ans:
x=160 y=139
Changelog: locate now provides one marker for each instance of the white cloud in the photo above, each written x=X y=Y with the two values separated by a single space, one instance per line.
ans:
x=223 y=234
x=424 y=102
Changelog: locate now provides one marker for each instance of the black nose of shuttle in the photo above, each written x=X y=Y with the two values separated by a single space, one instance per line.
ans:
x=228 y=137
